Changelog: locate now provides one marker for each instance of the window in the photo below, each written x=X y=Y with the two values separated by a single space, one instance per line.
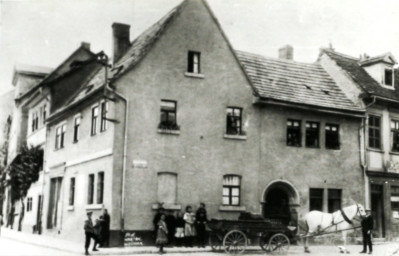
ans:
x=168 y=115
x=395 y=202
x=35 y=121
x=316 y=199
x=72 y=191
x=194 y=62
x=395 y=135
x=388 y=77
x=332 y=136
x=293 y=133
x=167 y=187
x=231 y=190
x=100 y=187
x=334 y=200
x=233 y=121
x=312 y=134
x=76 y=128
x=60 y=136
x=29 y=204
x=104 y=112
x=94 y=116
x=54 y=199
x=90 y=194
x=374 y=132
x=44 y=114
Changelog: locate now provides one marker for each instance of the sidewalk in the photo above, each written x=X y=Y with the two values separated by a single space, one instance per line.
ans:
x=380 y=249
x=74 y=247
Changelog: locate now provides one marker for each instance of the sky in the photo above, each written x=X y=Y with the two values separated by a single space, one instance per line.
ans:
x=46 y=32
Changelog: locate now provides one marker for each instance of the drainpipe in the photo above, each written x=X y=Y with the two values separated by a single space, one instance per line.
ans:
x=122 y=216
x=366 y=178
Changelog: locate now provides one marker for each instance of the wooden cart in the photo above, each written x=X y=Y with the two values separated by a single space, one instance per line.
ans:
x=233 y=236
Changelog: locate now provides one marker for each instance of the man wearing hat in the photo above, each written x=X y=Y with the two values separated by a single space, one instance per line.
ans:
x=367 y=225
x=90 y=233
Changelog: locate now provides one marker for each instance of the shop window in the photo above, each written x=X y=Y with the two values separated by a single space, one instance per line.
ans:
x=293 y=133
x=334 y=200
x=231 y=190
x=316 y=199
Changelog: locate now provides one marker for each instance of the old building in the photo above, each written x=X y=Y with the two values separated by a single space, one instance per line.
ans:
x=182 y=118
x=373 y=82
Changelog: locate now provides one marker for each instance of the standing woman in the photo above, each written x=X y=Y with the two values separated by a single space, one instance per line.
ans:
x=179 y=235
x=162 y=234
x=189 y=230
x=200 y=221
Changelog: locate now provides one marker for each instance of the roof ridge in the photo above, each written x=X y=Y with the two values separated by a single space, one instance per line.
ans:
x=278 y=59
x=340 y=54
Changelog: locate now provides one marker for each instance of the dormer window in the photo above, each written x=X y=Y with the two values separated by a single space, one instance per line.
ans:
x=388 y=77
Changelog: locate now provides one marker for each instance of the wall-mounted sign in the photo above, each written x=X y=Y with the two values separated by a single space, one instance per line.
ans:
x=132 y=240
x=140 y=164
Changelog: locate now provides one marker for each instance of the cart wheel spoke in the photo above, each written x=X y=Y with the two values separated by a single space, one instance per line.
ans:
x=235 y=242
x=279 y=244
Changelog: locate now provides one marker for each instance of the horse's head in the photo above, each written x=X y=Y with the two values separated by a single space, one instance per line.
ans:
x=360 y=210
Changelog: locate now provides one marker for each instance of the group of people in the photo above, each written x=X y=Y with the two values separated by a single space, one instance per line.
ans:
x=99 y=232
x=182 y=229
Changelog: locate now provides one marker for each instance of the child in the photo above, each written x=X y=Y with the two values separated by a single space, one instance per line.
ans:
x=162 y=234
x=179 y=235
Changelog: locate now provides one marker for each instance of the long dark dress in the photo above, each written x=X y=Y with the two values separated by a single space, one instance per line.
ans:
x=200 y=221
x=105 y=227
x=170 y=221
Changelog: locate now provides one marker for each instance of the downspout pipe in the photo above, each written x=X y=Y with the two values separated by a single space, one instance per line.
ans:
x=122 y=216
x=366 y=178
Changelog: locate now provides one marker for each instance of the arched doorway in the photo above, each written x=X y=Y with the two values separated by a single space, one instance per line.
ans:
x=281 y=202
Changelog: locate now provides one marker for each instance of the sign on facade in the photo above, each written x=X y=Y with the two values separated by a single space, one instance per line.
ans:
x=140 y=164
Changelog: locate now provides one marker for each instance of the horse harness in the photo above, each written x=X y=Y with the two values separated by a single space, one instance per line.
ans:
x=345 y=218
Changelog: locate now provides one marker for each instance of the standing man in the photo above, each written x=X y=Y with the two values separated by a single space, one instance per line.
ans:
x=367 y=226
x=200 y=221
x=105 y=227
x=89 y=233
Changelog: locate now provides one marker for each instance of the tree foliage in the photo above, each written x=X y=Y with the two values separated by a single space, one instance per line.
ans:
x=24 y=171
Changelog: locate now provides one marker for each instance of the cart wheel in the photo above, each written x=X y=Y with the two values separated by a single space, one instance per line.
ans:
x=279 y=244
x=235 y=242
x=264 y=243
x=215 y=241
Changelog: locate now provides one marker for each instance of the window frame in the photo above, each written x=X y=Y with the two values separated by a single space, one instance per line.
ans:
x=230 y=188
x=76 y=127
x=296 y=129
x=90 y=187
x=72 y=187
x=313 y=197
x=237 y=129
x=374 y=128
x=329 y=133
x=60 y=131
x=394 y=135
x=103 y=116
x=94 y=119
x=330 y=198
x=100 y=187
x=192 y=66
x=309 y=131
x=390 y=74
x=167 y=124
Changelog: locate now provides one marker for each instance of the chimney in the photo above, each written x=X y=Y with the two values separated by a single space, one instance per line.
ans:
x=85 y=45
x=121 y=39
x=286 y=52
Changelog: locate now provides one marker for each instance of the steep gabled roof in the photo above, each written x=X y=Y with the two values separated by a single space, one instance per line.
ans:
x=294 y=82
x=360 y=76
x=136 y=52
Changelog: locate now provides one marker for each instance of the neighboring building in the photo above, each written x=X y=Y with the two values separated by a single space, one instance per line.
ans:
x=6 y=110
x=35 y=104
x=186 y=119
x=373 y=82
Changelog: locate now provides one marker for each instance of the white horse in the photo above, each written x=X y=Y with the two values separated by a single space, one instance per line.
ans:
x=319 y=223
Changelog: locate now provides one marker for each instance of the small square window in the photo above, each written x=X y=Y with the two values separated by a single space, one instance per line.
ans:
x=194 y=62
x=231 y=190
